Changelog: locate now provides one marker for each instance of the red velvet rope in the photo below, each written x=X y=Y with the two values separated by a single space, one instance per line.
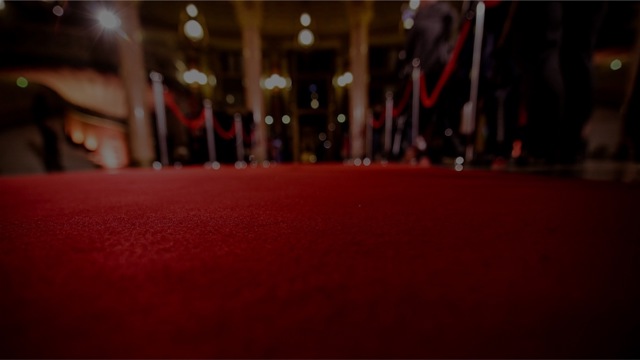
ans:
x=193 y=124
x=377 y=123
x=198 y=122
x=225 y=134
x=428 y=101
x=403 y=101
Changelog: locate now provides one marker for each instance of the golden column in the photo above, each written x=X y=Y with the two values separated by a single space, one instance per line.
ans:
x=134 y=78
x=249 y=14
x=360 y=14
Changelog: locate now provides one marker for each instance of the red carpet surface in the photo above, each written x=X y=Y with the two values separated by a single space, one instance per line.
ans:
x=325 y=261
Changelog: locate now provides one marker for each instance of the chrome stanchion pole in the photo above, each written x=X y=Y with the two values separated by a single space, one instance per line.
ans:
x=240 y=163
x=369 y=157
x=388 y=123
x=469 y=117
x=415 y=105
x=211 y=138
x=161 y=116
x=402 y=119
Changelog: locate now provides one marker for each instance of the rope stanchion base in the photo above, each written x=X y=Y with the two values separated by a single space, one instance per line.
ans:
x=212 y=165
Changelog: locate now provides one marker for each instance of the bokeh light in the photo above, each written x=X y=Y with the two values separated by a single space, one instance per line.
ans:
x=192 y=10
x=345 y=79
x=305 y=19
x=268 y=119
x=407 y=23
x=286 y=119
x=58 y=10
x=22 y=82
x=108 y=19
x=194 y=76
x=91 y=142
x=305 y=37
x=193 y=30
x=341 y=118
x=77 y=136
x=616 y=64
x=213 y=80
x=275 y=81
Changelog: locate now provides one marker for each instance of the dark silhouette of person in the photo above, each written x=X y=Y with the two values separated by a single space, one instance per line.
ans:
x=50 y=149
x=554 y=44
x=430 y=41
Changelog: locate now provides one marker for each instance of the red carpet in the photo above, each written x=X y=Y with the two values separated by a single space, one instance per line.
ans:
x=318 y=262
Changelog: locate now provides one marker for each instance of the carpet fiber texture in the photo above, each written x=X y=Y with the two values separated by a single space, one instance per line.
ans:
x=318 y=261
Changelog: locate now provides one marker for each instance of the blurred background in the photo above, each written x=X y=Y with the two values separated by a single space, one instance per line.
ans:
x=303 y=76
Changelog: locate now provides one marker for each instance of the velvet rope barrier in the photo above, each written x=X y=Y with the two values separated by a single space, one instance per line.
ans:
x=193 y=124
x=428 y=101
x=225 y=134
x=377 y=123
x=403 y=101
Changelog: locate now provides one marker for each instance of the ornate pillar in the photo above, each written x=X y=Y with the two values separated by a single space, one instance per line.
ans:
x=134 y=78
x=360 y=14
x=249 y=14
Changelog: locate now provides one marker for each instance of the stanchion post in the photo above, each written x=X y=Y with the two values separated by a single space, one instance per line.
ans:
x=239 y=140
x=501 y=95
x=369 y=140
x=475 y=76
x=211 y=138
x=415 y=105
x=161 y=116
x=388 y=123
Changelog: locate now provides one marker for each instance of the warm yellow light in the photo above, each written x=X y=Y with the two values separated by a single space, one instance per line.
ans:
x=305 y=19
x=193 y=30
x=91 y=142
x=315 y=104
x=305 y=37
x=112 y=155
x=77 y=136
x=192 y=10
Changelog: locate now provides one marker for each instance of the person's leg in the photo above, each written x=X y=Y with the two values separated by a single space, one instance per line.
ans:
x=539 y=30
x=581 y=22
